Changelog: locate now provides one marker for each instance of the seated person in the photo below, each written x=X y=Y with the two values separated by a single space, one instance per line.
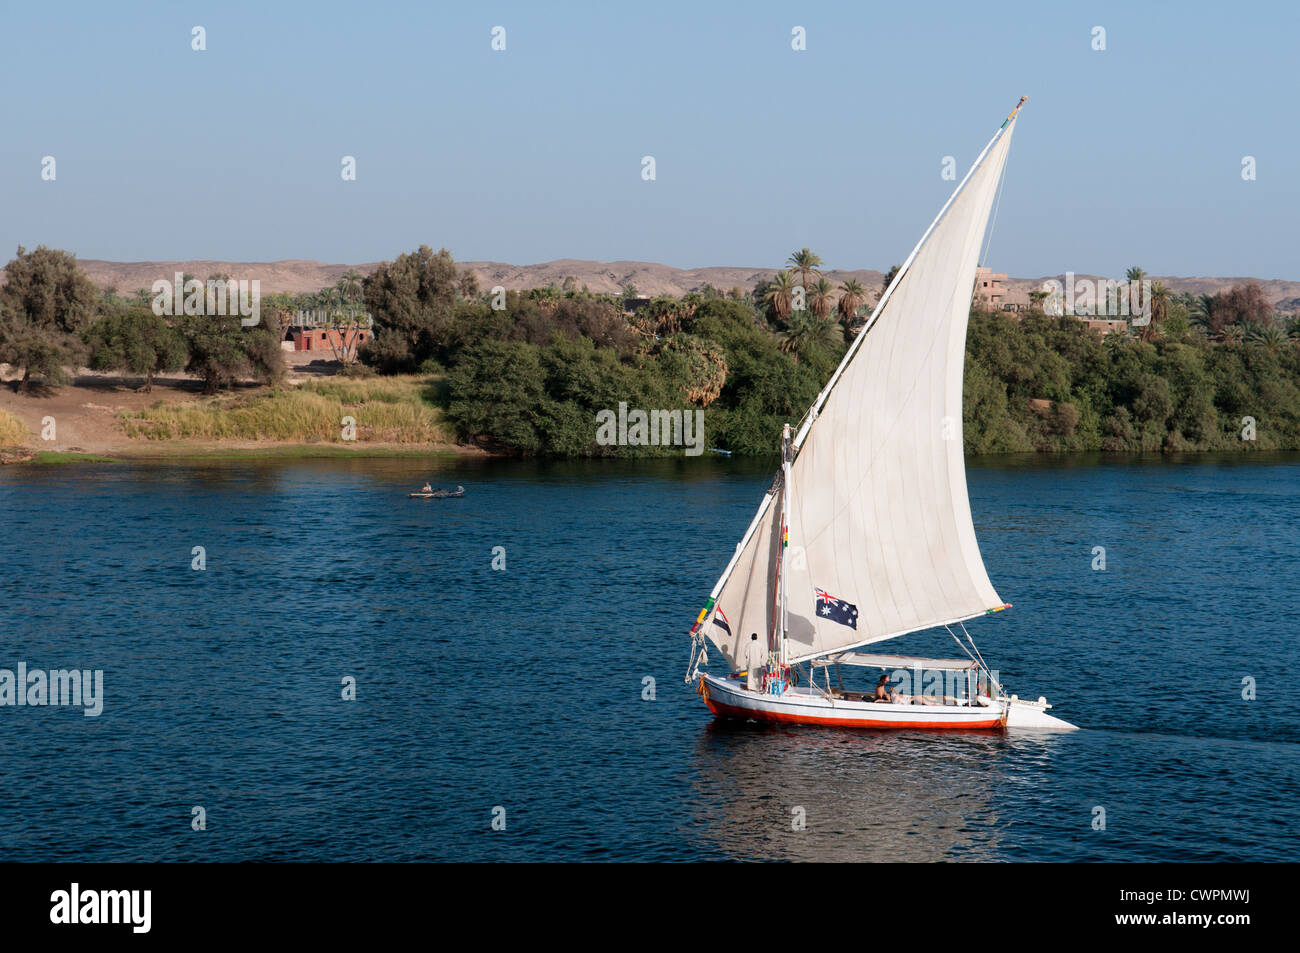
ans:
x=882 y=692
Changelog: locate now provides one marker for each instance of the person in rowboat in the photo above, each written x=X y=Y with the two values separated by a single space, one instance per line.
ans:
x=426 y=488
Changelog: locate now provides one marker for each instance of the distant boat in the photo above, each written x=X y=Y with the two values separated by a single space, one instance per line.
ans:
x=720 y=452
x=437 y=494
x=866 y=533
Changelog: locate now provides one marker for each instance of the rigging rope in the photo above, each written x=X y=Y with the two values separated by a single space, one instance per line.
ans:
x=993 y=222
x=976 y=658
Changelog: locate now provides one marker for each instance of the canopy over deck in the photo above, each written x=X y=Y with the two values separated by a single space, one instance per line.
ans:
x=897 y=661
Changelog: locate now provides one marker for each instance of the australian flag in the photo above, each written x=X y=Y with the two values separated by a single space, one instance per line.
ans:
x=836 y=610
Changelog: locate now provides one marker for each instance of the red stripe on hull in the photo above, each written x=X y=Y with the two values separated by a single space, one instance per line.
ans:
x=789 y=718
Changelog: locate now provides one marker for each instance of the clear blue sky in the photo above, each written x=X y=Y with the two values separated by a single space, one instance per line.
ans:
x=1128 y=156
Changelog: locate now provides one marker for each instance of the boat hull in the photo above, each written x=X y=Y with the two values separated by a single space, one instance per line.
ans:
x=727 y=698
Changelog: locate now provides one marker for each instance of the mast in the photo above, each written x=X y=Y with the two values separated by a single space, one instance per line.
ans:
x=783 y=655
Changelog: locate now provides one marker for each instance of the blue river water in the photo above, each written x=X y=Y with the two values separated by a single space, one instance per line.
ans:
x=519 y=694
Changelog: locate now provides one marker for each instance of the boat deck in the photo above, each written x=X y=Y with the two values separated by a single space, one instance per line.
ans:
x=806 y=705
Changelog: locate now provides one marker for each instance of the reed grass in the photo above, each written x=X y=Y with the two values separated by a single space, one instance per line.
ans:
x=12 y=431
x=386 y=410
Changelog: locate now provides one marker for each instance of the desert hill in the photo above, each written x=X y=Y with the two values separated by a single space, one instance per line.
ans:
x=296 y=276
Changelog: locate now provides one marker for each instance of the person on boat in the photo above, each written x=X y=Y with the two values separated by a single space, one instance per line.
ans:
x=755 y=659
x=882 y=692
x=426 y=488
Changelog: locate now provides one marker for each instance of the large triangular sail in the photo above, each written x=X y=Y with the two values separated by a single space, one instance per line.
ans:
x=879 y=517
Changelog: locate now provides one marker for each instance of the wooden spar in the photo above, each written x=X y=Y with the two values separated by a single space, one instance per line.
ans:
x=1012 y=114
x=813 y=411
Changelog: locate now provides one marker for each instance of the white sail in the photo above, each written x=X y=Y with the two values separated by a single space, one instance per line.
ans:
x=747 y=605
x=879 y=516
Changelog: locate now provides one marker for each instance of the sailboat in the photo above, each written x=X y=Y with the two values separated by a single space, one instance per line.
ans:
x=865 y=534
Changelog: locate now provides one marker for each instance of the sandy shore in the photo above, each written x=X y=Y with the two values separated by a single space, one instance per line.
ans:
x=85 y=422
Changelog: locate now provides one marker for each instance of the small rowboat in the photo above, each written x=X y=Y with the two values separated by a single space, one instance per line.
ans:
x=438 y=494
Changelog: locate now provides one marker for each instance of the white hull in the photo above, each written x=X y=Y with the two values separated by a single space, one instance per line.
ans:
x=728 y=698
x=1026 y=714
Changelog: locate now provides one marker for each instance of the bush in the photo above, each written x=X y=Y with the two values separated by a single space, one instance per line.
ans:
x=1178 y=392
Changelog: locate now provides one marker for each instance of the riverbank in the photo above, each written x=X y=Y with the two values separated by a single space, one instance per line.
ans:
x=187 y=451
x=100 y=417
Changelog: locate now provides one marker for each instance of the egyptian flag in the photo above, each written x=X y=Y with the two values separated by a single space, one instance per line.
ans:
x=836 y=610
x=720 y=620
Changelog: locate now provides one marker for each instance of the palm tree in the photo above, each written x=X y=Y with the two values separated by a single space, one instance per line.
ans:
x=666 y=312
x=806 y=262
x=350 y=285
x=1115 y=340
x=327 y=298
x=1134 y=276
x=1231 y=334
x=686 y=307
x=1160 y=296
x=1159 y=309
x=1270 y=336
x=852 y=297
x=1201 y=313
x=780 y=293
x=888 y=280
x=804 y=331
x=821 y=298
